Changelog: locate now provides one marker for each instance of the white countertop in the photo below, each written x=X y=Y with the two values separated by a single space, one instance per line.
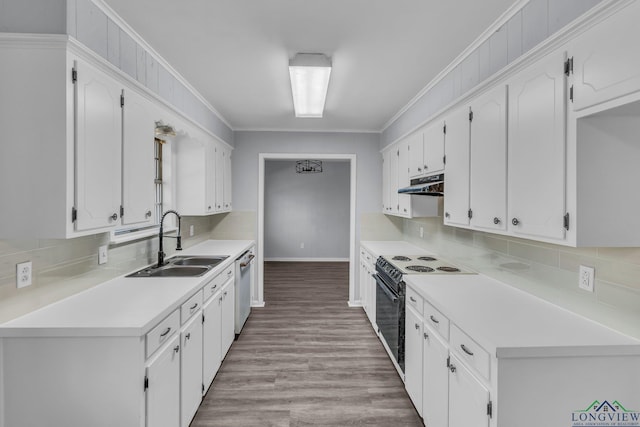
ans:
x=122 y=306
x=391 y=247
x=508 y=322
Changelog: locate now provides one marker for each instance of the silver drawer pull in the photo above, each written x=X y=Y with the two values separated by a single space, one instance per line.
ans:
x=466 y=350
x=452 y=368
x=193 y=307
x=434 y=320
x=164 y=334
x=213 y=287
x=412 y=299
x=188 y=336
x=417 y=326
x=425 y=335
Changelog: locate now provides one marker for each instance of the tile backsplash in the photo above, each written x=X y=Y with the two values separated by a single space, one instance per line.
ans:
x=545 y=270
x=65 y=267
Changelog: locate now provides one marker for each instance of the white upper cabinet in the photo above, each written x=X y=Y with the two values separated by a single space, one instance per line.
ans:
x=138 y=168
x=536 y=193
x=606 y=59
x=426 y=150
x=222 y=178
x=98 y=149
x=404 y=200
x=488 y=176
x=456 y=187
x=433 y=136
x=416 y=157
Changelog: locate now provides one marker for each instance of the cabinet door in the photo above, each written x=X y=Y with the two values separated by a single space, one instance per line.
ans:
x=219 y=181
x=227 y=180
x=404 y=200
x=386 y=181
x=488 y=183
x=163 y=393
x=433 y=157
x=98 y=149
x=413 y=358
x=435 y=379
x=210 y=173
x=138 y=167
x=211 y=339
x=363 y=282
x=606 y=59
x=228 y=316
x=468 y=398
x=456 y=185
x=393 y=181
x=371 y=293
x=416 y=155
x=191 y=369
x=536 y=198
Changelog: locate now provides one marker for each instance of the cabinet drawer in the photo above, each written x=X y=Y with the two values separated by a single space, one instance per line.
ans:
x=216 y=283
x=414 y=300
x=162 y=332
x=438 y=321
x=470 y=351
x=191 y=307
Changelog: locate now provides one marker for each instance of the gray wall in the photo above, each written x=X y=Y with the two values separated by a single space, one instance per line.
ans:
x=86 y=22
x=306 y=209
x=537 y=20
x=365 y=146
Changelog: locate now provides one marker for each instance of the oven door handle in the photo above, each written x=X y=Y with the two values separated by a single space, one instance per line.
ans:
x=386 y=289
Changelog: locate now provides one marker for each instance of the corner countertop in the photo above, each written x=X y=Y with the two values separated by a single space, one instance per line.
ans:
x=390 y=247
x=508 y=322
x=122 y=306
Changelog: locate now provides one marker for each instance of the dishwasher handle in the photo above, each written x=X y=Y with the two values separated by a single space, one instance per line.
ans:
x=247 y=262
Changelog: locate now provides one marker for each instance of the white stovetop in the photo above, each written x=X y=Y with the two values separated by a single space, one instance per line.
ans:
x=122 y=306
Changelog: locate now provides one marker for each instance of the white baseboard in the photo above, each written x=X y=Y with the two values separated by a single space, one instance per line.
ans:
x=307 y=259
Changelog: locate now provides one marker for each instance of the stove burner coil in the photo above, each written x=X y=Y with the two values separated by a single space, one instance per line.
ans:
x=449 y=269
x=420 y=268
x=427 y=258
x=401 y=258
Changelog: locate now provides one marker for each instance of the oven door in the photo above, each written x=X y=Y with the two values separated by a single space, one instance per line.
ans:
x=390 y=317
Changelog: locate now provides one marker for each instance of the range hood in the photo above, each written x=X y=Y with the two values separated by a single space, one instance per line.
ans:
x=432 y=185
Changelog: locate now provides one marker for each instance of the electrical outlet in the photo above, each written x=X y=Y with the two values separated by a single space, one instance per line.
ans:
x=103 y=256
x=23 y=274
x=421 y=232
x=586 y=278
x=192 y=230
x=301 y=245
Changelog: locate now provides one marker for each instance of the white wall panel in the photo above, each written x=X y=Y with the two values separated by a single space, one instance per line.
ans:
x=127 y=54
x=535 y=23
x=92 y=27
x=469 y=70
x=141 y=65
x=113 y=43
x=565 y=11
x=484 y=60
x=152 y=74
x=514 y=37
x=498 y=42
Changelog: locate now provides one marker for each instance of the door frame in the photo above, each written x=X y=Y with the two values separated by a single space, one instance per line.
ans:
x=258 y=296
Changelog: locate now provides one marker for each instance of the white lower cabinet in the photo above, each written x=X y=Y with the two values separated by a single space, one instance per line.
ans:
x=163 y=399
x=413 y=358
x=191 y=369
x=212 y=339
x=468 y=397
x=435 y=379
x=368 y=285
x=228 y=316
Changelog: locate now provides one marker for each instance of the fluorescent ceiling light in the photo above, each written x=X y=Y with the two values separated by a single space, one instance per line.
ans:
x=309 y=73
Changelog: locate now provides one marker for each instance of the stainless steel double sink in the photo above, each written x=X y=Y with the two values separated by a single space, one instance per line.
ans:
x=182 y=266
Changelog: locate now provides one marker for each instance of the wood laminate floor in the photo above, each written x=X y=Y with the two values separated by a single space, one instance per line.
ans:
x=307 y=359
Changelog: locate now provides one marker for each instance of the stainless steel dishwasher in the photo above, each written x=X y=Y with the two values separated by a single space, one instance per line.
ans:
x=244 y=274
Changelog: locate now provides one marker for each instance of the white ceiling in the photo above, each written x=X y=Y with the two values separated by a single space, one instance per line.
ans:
x=236 y=52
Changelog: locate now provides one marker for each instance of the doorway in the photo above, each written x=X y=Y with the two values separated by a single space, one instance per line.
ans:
x=258 y=291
